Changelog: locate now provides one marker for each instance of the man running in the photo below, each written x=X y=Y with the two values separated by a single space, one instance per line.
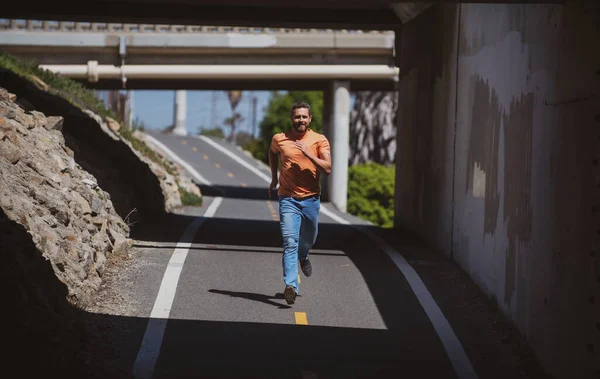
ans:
x=304 y=154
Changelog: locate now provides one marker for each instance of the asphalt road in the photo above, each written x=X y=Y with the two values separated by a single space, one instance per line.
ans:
x=207 y=292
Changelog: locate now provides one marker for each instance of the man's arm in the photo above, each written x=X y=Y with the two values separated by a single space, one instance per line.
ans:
x=322 y=163
x=273 y=163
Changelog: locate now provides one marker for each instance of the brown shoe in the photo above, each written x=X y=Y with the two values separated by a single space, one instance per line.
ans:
x=289 y=294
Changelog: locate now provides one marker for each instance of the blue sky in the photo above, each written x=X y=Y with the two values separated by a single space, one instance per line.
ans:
x=155 y=108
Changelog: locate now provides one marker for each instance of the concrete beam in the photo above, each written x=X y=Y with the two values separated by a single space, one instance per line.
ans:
x=73 y=47
x=379 y=43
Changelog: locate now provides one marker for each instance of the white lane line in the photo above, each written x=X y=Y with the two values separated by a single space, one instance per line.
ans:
x=201 y=179
x=152 y=341
x=454 y=349
x=236 y=158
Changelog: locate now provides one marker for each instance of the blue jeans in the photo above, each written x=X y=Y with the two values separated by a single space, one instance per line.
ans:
x=299 y=221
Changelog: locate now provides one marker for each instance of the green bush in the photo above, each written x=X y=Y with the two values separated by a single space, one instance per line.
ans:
x=371 y=193
x=258 y=148
x=188 y=198
x=214 y=132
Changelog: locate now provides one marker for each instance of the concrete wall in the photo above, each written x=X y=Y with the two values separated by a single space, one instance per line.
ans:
x=497 y=163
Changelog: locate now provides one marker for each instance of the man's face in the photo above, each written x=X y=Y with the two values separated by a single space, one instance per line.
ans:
x=301 y=119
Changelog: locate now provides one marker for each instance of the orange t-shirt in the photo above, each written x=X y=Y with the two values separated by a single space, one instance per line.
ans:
x=298 y=176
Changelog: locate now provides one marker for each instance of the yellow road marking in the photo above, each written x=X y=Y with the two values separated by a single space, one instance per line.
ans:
x=230 y=174
x=195 y=148
x=205 y=156
x=301 y=318
x=243 y=184
x=184 y=142
x=299 y=281
x=217 y=165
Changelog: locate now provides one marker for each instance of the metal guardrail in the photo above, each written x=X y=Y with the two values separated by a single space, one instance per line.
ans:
x=103 y=27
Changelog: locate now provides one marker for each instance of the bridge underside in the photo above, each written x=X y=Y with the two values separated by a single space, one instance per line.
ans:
x=330 y=14
x=374 y=14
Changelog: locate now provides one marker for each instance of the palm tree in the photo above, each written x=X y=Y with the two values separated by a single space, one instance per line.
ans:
x=234 y=99
x=373 y=128
x=232 y=122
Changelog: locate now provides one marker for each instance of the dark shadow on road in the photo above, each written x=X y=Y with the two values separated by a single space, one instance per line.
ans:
x=248 y=249
x=213 y=349
x=254 y=296
x=236 y=192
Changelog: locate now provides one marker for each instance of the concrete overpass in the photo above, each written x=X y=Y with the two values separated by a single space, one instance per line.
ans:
x=104 y=55
x=110 y=53
x=59 y=42
x=497 y=163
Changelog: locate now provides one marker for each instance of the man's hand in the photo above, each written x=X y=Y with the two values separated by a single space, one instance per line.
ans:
x=322 y=164
x=272 y=186
x=303 y=148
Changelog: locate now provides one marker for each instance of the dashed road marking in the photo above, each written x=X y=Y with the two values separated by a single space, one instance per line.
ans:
x=300 y=318
x=178 y=159
x=194 y=148
x=217 y=165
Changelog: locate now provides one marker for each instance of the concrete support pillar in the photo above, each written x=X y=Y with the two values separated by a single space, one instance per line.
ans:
x=327 y=127
x=180 y=113
x=340 y=143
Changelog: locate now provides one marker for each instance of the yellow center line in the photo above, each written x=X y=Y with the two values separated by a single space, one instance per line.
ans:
x=217 y=165
x=195 y=148
x=184 y=142
x=243 y=184
x=300 y=318
x=205 y=156
x=299 y=281
x=230 y=174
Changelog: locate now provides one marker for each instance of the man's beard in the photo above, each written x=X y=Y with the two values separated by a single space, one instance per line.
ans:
x=300 y=128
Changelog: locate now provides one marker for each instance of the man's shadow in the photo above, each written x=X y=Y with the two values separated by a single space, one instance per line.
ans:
x=254 y=296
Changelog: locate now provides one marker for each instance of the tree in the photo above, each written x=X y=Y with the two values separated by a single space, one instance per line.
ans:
x=232 y=122
x=373 y=128
x=234 y=100
x=277 y=119
x=277 y=114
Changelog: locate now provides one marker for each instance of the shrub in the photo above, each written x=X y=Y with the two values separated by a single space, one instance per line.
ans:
x=188 y=198
x=371 y=193
x=258 y=148
x=214 y=132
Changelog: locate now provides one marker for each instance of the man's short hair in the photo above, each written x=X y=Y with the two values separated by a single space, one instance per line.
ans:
x=301 y=104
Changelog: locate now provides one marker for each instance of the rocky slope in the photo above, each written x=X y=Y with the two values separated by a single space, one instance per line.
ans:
x=73 y=191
